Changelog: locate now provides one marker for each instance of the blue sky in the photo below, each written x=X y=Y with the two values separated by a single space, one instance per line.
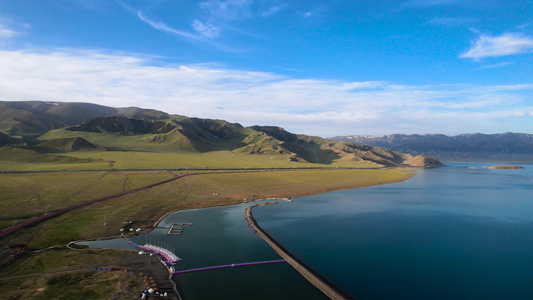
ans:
x=315 y=67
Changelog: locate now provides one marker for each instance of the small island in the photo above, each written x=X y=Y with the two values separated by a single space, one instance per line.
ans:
x=505 y=167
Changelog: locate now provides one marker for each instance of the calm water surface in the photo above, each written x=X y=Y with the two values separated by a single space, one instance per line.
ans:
x=221 y=236
x=447 y=233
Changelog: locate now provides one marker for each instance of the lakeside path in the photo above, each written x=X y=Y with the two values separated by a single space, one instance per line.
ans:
x=314 y=278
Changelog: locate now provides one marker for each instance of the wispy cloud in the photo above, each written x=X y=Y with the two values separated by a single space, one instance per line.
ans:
x=493 y=66
x=10 y=29
x=451 y=22
x=425 y=3
x=163 y=27
x=430 y=3
x=506 y=44
x=270 y=11
x=94 y=5
x=207 y=29
x=523 y=26
x=319 y=107
x=6 y=32
x=217 y=13
x=419 y=5
x=227 y=9
x=204 y=35
x=216 y=17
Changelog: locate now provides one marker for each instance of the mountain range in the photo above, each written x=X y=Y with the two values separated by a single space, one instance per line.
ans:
x=465 y=147
x=56 y=127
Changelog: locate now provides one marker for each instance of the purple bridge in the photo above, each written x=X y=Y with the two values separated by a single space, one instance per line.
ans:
x=230 y=266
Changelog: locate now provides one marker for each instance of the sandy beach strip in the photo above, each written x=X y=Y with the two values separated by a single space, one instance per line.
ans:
x=314 y=278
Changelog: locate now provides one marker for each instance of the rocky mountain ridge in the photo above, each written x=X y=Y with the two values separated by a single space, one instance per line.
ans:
x=476 y=146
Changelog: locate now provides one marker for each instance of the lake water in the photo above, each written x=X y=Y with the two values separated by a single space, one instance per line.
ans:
x=221 y=236
x=447 y=233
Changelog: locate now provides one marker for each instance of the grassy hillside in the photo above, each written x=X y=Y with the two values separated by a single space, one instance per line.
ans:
x=6 y=140
x=65 y=127
x=68 y=145
x=205 y=135
x=30 y=119
x=21 y=155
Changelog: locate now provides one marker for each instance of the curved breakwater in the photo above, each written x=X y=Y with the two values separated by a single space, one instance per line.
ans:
x=314 y=278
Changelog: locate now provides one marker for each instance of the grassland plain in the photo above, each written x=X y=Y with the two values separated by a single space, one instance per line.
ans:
x=69 y=274
x=201 y=190
x=27 y=160
x=32 y=193
x=214 y=159
x=26 y=193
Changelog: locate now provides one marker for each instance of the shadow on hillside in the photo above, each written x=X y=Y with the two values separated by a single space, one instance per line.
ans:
x=312 y=152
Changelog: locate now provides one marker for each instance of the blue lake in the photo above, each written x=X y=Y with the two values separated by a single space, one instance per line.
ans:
x=449 y=233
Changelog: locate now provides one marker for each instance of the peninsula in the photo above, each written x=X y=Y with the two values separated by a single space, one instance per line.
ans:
x=505 y=167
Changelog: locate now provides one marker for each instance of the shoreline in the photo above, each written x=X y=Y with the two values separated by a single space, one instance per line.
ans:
x=328 y=288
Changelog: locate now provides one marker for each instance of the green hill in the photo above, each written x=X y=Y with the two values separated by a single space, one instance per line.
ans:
x=68 y=145
x=29 y=119
x=67 y=127
x=24 y=155
x=204 y=135
x=175 y=133
x=6 y=140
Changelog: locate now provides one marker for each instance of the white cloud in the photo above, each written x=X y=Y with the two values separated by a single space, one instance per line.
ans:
x=6 y=28
x=163 y=27
x=208 y=30
x=451 y=22
x=227 y=9
x=317 y=107
x=215 y=17
x=523 y=26
x=218 y=14
x=274 y=10
x=205 y=33
x=493 y=66
x=6 y=32
x=431 y=3
x=506 y=44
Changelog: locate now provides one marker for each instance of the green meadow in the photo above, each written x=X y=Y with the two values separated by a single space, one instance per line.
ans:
x=59 y=279
x=12 y=159
x=220 y=178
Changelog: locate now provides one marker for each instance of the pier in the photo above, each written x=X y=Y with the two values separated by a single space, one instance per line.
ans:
x=174 y=230
x=166 y=253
